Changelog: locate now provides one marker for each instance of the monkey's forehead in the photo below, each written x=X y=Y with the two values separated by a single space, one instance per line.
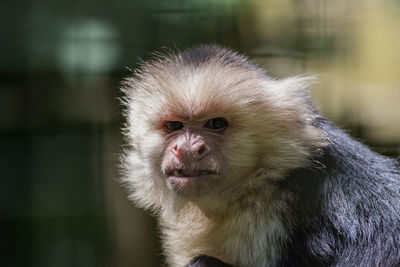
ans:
x=207 y=91
x=194 y=112
x=203 y=72
x=212 y=79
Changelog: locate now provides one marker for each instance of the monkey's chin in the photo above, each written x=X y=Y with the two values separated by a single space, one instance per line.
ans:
x=191 y=186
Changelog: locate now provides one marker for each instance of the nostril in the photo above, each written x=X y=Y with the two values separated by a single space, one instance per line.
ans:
x=176 y=151
x=202 y=149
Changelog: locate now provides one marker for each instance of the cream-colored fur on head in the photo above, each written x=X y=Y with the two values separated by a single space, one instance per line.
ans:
x=270 y=132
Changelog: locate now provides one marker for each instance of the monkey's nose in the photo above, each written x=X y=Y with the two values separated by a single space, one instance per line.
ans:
x=197 y=150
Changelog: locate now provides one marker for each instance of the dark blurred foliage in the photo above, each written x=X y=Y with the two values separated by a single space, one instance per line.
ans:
x=61 y=63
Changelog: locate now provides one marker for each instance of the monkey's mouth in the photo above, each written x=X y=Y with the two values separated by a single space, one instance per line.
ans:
x=182 y=174
x=189 y=182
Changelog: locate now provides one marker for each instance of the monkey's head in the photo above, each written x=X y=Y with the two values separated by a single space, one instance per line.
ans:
x=204 y=122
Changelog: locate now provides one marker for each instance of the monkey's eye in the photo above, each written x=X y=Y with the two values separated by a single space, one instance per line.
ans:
x=216 y=123
x=173 y=125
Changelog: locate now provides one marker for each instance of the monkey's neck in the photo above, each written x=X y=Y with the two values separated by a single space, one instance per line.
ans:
x=237 y=197
x=219 y=229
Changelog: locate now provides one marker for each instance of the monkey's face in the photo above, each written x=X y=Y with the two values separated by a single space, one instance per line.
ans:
x=198 y=137
x=205 y=129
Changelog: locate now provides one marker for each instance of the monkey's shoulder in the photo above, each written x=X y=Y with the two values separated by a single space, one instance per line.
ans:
x=346 y=207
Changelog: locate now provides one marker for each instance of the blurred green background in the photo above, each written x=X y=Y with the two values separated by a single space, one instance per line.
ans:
x=60 y=67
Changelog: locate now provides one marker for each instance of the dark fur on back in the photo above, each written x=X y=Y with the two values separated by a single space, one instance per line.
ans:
x=348 y=211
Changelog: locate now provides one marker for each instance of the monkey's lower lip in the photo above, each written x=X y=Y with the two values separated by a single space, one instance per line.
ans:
x=189 y=173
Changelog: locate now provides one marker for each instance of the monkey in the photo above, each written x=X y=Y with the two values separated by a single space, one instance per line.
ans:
x=242 y=169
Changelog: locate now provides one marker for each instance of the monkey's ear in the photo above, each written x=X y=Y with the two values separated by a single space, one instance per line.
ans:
x=291 y=93
x=294 y=83
x=207 y=261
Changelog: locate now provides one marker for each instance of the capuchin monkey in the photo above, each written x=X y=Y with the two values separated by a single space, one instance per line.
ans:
x=243 y=170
